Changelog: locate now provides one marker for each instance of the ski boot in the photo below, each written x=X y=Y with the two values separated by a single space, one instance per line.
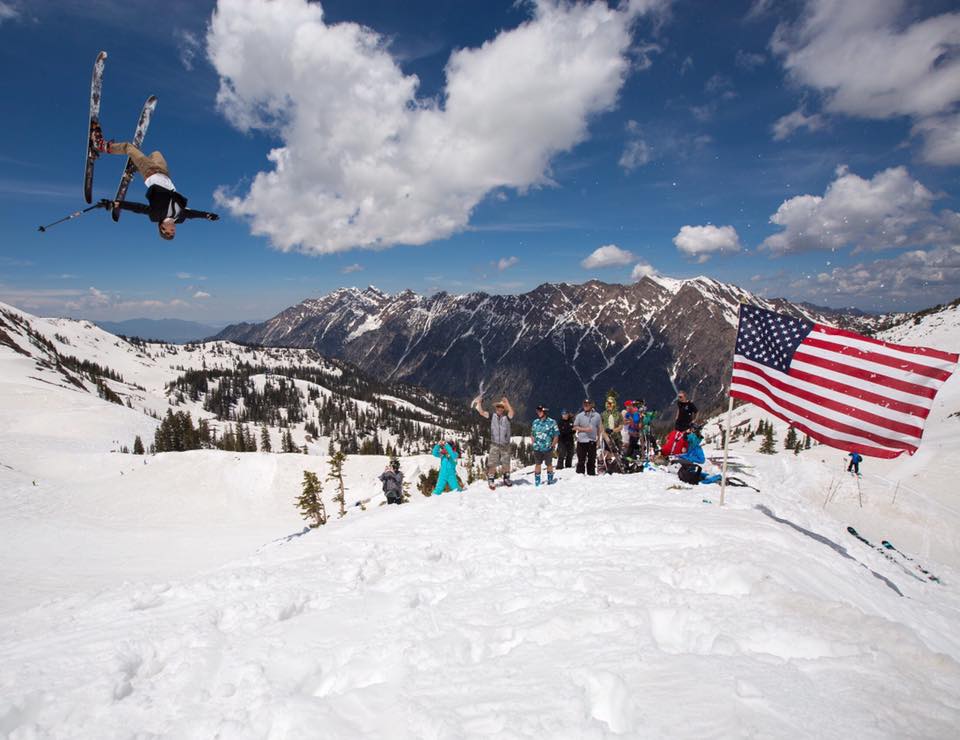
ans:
x=506 y=480
x=536 y=479
x=98 y=144
x=550 y=479
x=491 y=483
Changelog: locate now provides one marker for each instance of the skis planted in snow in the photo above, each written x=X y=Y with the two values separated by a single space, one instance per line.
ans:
x=130 y=170
x=96 y=83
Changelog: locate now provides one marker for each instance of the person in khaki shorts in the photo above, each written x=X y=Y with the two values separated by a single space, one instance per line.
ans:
x=499 y=456
x=167 y=207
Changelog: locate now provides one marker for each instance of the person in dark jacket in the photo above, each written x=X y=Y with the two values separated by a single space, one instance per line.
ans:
x=686 y=412
x=565 y=444
x=392 y=480
x=165 y=206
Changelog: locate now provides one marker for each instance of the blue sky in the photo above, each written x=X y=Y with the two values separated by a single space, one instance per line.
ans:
x=804 y=149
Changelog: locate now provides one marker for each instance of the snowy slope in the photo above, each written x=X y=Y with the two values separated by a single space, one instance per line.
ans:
x=177 y=595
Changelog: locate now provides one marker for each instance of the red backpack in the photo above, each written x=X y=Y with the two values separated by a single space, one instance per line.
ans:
x=676 y=444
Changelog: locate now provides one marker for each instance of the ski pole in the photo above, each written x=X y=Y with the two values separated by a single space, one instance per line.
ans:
x=102 y=204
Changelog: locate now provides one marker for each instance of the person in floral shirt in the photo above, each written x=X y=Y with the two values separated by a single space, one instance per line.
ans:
x=544 y=435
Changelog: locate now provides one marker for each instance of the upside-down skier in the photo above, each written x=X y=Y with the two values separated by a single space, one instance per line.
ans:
x=165 y=206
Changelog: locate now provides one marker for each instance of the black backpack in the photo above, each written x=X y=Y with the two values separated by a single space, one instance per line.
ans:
x=689 y=473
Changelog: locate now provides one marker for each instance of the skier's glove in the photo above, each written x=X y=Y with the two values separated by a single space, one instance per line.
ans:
x=212 y=217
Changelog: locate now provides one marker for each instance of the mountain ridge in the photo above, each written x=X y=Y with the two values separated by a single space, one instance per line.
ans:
x=555 y=344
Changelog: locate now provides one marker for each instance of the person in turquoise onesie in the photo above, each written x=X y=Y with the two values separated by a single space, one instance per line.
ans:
x=544 y=435
x=448 y=468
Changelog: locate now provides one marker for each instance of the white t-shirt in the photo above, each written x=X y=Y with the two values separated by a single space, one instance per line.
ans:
x=159 y=179
x=173 y=210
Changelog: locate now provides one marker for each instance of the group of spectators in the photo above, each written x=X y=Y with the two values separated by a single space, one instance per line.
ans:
x=626 y=432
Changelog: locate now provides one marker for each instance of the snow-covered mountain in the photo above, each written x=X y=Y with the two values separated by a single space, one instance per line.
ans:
x=555 y=345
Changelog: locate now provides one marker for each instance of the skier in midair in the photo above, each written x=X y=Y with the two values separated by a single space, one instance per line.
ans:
x=165 y=206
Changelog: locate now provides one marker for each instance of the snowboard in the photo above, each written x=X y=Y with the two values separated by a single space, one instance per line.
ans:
x=93 y=124
x=130 y=170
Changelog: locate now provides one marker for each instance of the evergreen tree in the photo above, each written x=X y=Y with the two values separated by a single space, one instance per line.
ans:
x=791 y=440
x=336 y=475
x=806 y=442
x=797 y=448
x=265 y=439
x=137 y=446
x=310 y=504
x=769 y=446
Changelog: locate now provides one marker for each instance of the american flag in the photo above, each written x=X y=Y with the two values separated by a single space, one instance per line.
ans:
x=843 y=389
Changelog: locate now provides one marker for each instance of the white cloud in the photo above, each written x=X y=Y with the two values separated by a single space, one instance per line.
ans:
x=869 y=62
x=636 y=152
x=888 y=211
x=931 y=275
x=96 y=302
x=608 y=256
x=721 y=86
x=187 y=46
x=355 y=267
x=758 y=9
x=786 y=125
x=505 y=263
x=201 y=294
x=749 y=60
x=702 y=242
x=641 y=270
x=363 y=162
x=941 y=136
x=8 y=11
x=190 y=276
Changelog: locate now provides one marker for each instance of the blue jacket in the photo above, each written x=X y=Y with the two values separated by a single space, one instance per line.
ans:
x=448 y=462
x=694 y=451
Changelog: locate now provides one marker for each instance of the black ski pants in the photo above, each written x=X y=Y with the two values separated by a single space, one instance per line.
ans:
x=564 y=455
x=587 y=457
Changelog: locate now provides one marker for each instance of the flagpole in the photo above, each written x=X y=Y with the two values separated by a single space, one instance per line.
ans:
x=726 y=437
x=726 y=445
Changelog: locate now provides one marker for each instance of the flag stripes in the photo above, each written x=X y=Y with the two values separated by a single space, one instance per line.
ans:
x=845 y=390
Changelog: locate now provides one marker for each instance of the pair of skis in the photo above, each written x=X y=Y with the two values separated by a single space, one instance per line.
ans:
x=886 y=547
x=143 y=123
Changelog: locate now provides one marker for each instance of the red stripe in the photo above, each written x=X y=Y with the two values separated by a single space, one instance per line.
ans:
x=841 y=444
x=878 y=358
x=925 y=351
x=823 y=421
x=851 y=411
x=873 y=377
x=863 y=395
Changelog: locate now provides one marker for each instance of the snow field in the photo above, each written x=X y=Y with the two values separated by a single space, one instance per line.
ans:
x=593 y=608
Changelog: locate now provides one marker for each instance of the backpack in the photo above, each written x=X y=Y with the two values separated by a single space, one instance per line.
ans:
x=689 y=474
x=676 y=444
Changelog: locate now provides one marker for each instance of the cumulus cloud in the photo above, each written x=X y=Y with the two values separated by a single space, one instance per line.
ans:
x=362 y=161
x=636 y=152
x=933 y=274
x=607 y=256
x=190 y=276
x=867 y=61
x=786 y=125
x=702 y=242
x=505 y=263
x=888 y=211
x=641 y=270
x=941 y=139
x=201 y=294
x=355 y=267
